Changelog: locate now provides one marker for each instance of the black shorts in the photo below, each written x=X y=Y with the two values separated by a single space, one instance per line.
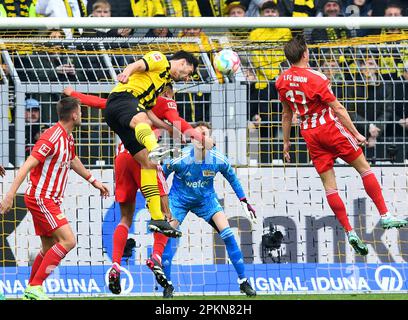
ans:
x=121 y=107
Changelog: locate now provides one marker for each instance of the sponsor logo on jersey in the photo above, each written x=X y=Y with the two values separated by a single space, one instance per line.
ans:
x=44 y=150
x=157 y=57
x=172 y=105
x=197 y=184
x=208 y=173
x=60 y=216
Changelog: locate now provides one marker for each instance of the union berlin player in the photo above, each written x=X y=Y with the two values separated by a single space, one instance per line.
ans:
x=329 y=133
x=127 y=182
x=49 y=163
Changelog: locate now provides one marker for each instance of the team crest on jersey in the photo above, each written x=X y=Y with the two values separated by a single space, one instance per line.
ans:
x=172 y=105
x=208 y=173
x=157 y=57
x=44 y=150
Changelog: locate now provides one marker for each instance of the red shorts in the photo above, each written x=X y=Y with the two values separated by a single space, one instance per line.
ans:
x=328 y=142
x=47 y=215
x=128 y=177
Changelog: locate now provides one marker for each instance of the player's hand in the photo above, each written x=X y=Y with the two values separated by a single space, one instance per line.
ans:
x=248 y=209
x=68 y=91
x=6 y=204
x=286 y=148
x=361 y=140
x=208 y=143
x=2 y=171
x=104 y=189
x=123 y=78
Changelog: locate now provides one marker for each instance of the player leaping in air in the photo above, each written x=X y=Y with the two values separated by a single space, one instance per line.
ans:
x=193 y=190
x=49 y=163
x=127 y=182
x=125 y=113
x=329 y=134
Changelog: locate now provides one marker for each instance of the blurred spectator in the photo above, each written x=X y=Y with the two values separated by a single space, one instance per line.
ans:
x=254 y=7
x=330 y=8
x=359 y=8
x=17 y=8
x=298 y=8
x=237 y=9
x=212 y=8
x=32 y=119
x=102 y=9
x=63 y=9
x=181 y=8
x=159 y=33
x=267 y=62
x=120 y=8
x=394 y=9
x=147 y=8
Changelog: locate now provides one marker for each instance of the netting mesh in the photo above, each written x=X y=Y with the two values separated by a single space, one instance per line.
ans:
x=368 y=76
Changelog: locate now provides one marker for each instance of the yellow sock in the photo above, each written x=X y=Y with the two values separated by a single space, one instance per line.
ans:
x=151 y=192
x=145 y=136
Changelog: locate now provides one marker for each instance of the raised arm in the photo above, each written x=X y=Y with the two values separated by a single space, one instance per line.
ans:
x=7 y=202
x=88 y=99
x=138 y=66
x=80 y=169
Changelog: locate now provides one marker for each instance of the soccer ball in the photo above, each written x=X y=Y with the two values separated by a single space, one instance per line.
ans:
x=226 y=61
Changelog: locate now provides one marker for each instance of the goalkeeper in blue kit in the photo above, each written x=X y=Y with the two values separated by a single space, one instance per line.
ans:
x=193 y=190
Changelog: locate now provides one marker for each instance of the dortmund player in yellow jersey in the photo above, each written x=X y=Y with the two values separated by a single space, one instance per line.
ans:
x=127 y=111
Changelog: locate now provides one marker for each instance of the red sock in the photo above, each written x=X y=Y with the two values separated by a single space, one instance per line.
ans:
x=119 y=242
x=160 y=241
x=50 y=261
x=37 y=262
x=373 y=189
x=337 y=205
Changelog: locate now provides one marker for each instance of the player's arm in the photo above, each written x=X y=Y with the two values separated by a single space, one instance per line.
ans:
x=88 y=99
x=343 y=116
x=80 y=169
x=185 y=128
x=2 y=171
x=138 y=66
x=229 y=174
x=287 y=116
x=28 y=165
x=158 y=123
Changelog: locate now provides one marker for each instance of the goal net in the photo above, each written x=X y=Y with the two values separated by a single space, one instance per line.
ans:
x=368 y=75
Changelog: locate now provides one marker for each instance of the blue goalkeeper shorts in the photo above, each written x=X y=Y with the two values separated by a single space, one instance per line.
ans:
x=204 y=209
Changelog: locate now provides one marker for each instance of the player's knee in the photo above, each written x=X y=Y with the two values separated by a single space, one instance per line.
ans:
x=69 y=243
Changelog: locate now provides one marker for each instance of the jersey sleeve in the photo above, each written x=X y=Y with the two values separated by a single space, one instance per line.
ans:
x=325 y=92
x=228 y=172
x=42 y=149
x=90 y=100
x=155 y=61
x=182 y=125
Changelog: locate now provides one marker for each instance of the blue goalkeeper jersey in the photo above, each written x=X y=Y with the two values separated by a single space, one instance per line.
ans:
x=193 y=180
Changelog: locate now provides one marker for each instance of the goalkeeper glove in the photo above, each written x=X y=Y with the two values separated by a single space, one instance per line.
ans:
x=248 y=209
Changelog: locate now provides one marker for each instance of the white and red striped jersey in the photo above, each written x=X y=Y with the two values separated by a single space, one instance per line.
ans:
x=308 y=93
x=55 y=150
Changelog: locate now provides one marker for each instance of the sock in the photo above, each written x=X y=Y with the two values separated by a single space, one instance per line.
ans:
x=145 y=136
x=37 y=262
x=337 y=205
x=50 y=261
x=168 y=254
x=119 y=242
x=159 y=243
x=234 y=252
x=150 y=190
x=373 y=189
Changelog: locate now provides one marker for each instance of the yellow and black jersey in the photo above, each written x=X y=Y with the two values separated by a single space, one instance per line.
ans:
x=147 y=85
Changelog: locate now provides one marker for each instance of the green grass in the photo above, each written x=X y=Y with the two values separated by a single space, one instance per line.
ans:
x=373 y=296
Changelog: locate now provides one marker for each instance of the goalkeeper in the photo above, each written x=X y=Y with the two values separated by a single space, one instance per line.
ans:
x=193 y=190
